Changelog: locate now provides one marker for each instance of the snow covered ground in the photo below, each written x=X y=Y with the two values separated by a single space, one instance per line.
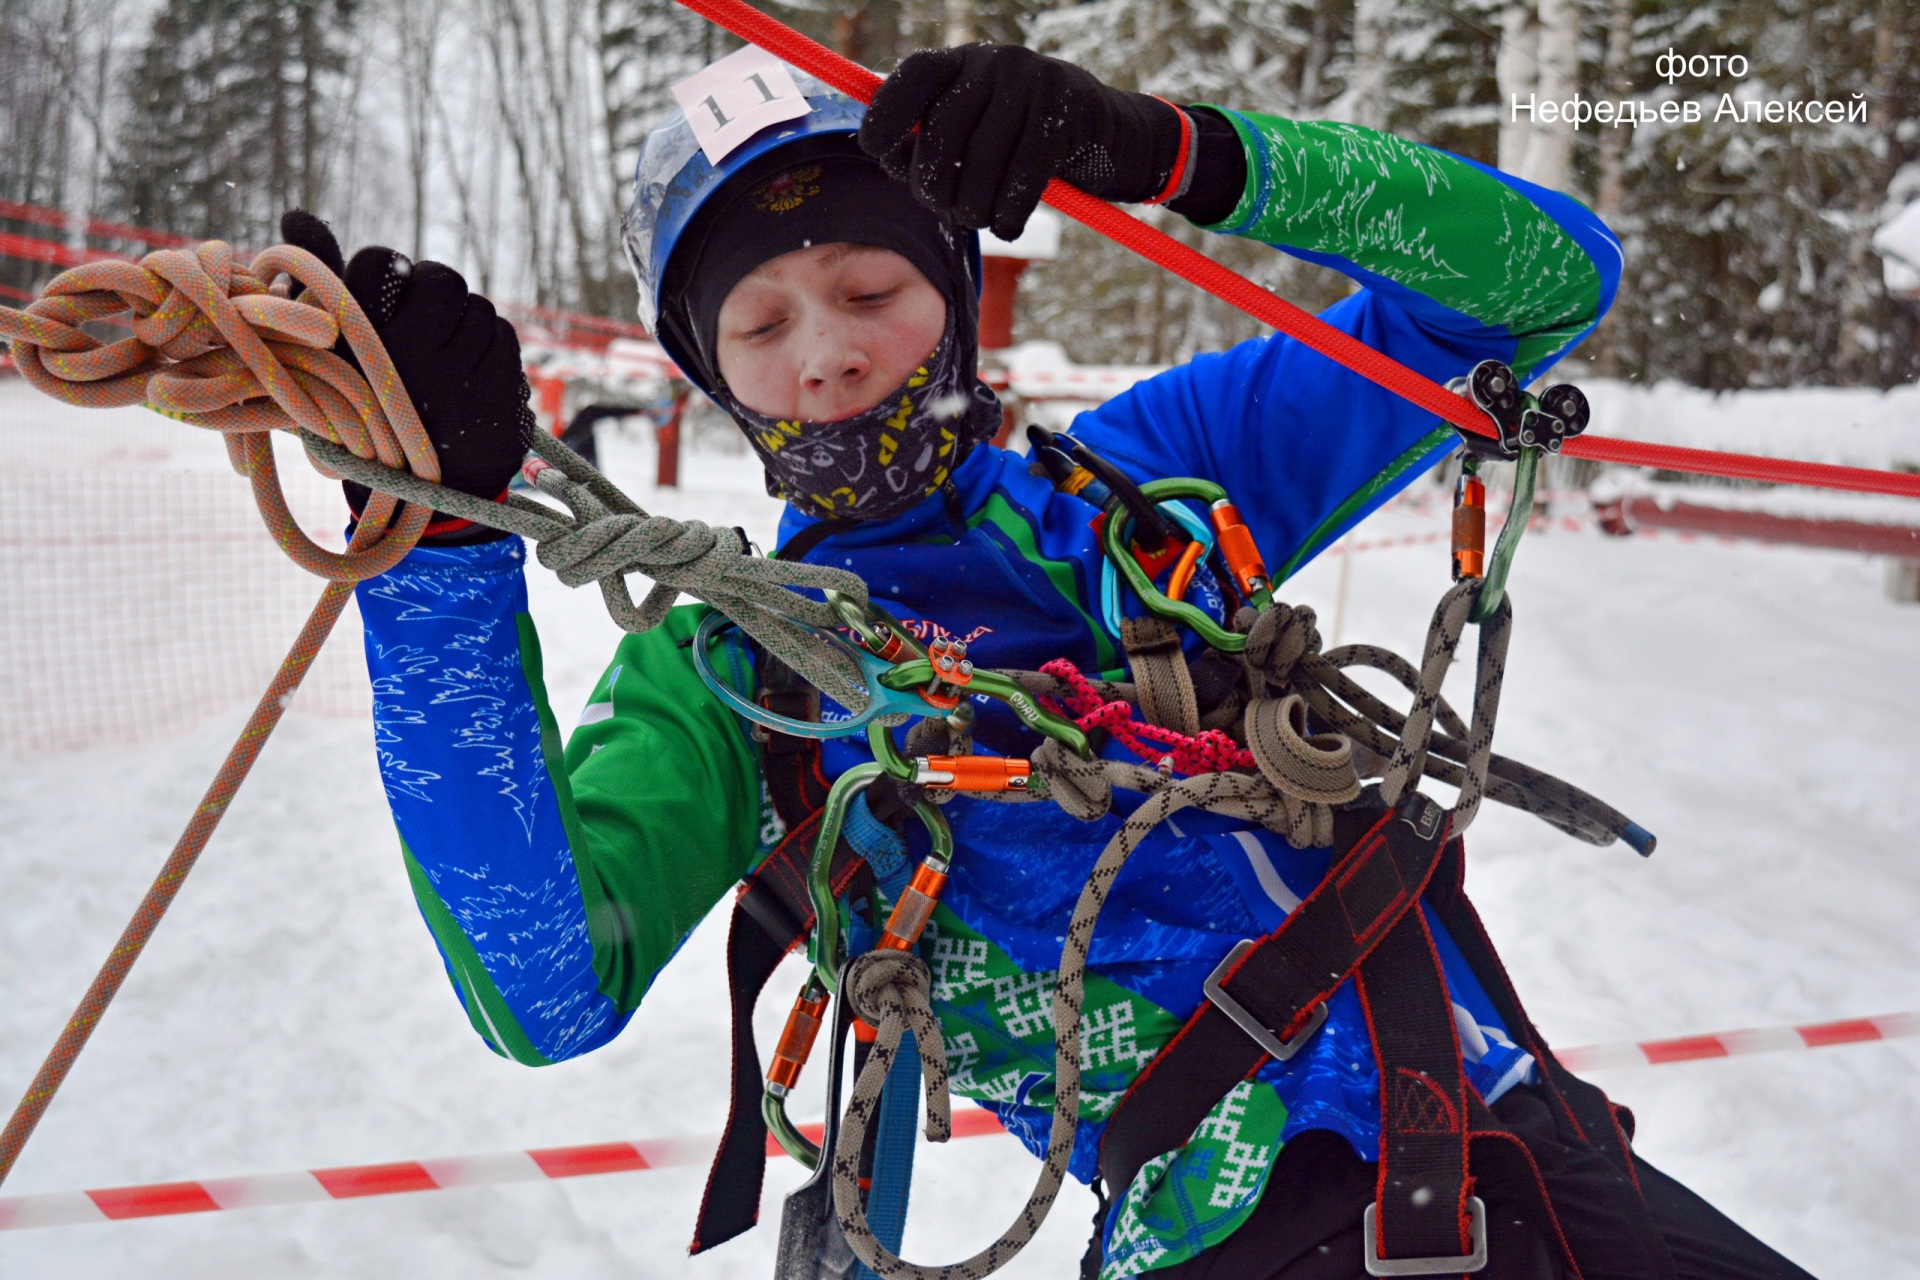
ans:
x=1756 y=708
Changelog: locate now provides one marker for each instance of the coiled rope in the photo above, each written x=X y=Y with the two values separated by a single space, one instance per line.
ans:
x=233 y=350
x=214 y=346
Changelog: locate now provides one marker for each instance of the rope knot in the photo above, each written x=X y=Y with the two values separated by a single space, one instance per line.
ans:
x=1081 y=787
x=892 y=991
x=886 y=983
x=1279 y=638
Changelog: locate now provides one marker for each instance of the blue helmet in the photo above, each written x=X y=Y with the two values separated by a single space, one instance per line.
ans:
x=674 y=178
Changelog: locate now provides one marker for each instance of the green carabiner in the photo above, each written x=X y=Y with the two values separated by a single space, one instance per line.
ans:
x=826 y=949
x=1494 y=588
x=1115 y=542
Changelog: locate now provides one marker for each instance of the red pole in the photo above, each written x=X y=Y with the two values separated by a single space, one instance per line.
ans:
x=550 y=396
x=997 y=297
x=666 y=474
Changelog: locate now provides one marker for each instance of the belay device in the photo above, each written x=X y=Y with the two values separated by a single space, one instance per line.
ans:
x=1301 y=723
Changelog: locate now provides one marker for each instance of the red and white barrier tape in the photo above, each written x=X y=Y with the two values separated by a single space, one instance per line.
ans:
x=1733 y=1044
x=117 y=1204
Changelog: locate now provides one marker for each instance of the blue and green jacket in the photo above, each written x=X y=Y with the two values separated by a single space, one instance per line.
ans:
x=558 y=874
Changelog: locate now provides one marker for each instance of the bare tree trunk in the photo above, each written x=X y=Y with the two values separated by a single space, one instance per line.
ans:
x=960 y=30
x=1863 y=326
x=1550 y=154
x=506 y=41
x=1319 y=48
x=565 y=132
x=471 y=239
x=1539 y=61
x=1616 y=81
x=1369 y=85
x=1516 y=68
x=417 y=28
x=850 y=31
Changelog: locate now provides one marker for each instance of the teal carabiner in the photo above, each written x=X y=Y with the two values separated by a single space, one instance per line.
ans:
x=881 y=700
x=1119 y=556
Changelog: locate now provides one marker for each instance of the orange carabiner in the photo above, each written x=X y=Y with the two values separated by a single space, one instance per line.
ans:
x=1469 y=527
x=908 y=919
x=1182 y=576
x=797 y=1037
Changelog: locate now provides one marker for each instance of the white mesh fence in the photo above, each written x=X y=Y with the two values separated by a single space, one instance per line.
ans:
x=136 y=600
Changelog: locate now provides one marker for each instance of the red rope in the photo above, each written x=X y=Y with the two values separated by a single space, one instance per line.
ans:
x=1269 y=308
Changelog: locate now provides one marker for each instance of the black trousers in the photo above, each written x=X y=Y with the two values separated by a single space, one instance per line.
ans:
x=1307 y=1225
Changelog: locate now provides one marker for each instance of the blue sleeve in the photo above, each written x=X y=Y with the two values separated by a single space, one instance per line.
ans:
x=1290 y=435
x=458 y=723
x=1457 y=263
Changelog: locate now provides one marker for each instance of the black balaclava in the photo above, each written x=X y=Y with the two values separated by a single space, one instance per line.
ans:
x=824 y=190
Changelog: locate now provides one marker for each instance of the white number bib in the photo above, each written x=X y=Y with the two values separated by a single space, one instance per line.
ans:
x=737 y=97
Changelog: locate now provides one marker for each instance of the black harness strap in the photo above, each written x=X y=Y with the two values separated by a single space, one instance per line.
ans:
x=1280 y=982
x=1436 y=1133
x=1420 y=1200
x=1580 y=1108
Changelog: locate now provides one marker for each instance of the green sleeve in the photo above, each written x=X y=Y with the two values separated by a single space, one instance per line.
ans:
x=1460 y=245
x=666 y=809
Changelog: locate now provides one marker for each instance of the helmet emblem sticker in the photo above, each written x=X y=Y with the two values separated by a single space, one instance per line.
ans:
x=788 y=191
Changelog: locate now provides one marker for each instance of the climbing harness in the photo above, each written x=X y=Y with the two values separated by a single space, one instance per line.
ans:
x=1285 y=771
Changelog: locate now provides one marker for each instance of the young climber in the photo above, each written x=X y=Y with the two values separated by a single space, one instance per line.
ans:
x=819 y=283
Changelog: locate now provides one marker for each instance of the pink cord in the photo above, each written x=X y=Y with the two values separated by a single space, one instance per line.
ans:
x=1211 y=751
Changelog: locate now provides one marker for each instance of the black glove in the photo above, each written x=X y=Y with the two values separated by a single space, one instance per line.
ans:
x=996 y=122
x=459 y=361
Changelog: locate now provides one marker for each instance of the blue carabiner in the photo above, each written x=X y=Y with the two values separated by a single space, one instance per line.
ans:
x=1110 y=576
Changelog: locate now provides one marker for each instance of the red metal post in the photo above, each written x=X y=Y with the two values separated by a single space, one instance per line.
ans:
x=666 y=474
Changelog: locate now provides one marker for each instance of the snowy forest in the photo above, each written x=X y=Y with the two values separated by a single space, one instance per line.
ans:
x=500 y=135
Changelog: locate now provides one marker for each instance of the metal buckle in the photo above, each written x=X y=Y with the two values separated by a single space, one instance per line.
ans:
x=1277 y=1049
x=1448 y=1266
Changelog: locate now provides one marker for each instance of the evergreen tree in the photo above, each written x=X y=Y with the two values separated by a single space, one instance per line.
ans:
x=1749 y=261
x=230 y=115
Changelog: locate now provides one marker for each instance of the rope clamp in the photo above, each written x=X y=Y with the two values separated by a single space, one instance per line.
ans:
x=952 y=673
x=1494 y=387
x=1521 y=420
